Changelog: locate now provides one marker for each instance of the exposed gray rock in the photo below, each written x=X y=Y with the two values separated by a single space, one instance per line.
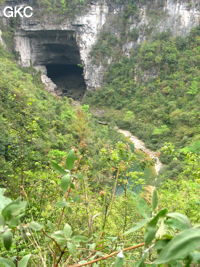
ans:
x=42 y=40
x=49 y=85
x=176 y=16
x=36 y=41
x=1 y=40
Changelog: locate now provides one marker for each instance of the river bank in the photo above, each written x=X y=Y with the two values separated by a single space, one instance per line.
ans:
x=140 y=145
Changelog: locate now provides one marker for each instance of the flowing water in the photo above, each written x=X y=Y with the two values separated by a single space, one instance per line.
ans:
x=140 y=145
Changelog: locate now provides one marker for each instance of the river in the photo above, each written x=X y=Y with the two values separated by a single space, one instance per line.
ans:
x=140 y=145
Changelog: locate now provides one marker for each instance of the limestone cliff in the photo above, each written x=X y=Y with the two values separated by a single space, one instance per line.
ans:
x=69 y=40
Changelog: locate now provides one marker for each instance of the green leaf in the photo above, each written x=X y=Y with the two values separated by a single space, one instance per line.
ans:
x=162 y=229
x=195 y=257
x=143 y=208
x=154 y=200
x=143 y=264
x=178 y=221
x=6 y=262
x=79 y=238
x=138 y=226
x=119 y=260
x=62 y=204
x=7 y=239
x=58 y=168
x=35 y=226
x=160 y=244
x=180 y=246
x=4 y=201
x=65 y=182
x=67 y=230
x=71 y=247
x=71 y=157
x=24 y=261
x=2 y=221
x=152 y=226
x=140 y=264
x=13 y=212
x=59 y=237
x=72 y=186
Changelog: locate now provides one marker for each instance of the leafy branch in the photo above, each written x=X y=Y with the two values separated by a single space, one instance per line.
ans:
x=108 y=256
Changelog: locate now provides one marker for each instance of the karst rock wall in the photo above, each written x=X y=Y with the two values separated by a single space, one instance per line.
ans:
x=84 y=28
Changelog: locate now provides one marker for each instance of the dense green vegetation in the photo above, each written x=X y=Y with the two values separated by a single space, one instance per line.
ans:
x=73 y=190
x=155 y=95
x=88 y=226
x=161 y=76
x=37 y=131
x=37 y=127
x=61 y=7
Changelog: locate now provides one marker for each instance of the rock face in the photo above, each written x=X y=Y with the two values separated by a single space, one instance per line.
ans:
x=1 y=40
x=69 y=42
x=176 y=16
x=47 y=40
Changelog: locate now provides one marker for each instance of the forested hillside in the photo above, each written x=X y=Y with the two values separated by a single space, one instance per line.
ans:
x=155 y=95
x=73 y=190
x=37 y=132
x=161 y=76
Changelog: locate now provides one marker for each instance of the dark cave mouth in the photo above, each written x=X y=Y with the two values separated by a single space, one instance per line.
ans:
x=69 y=79
x=59 y=52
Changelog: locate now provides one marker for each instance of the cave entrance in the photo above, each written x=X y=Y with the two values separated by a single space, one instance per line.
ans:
x=68 y=78
x=57 y=50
